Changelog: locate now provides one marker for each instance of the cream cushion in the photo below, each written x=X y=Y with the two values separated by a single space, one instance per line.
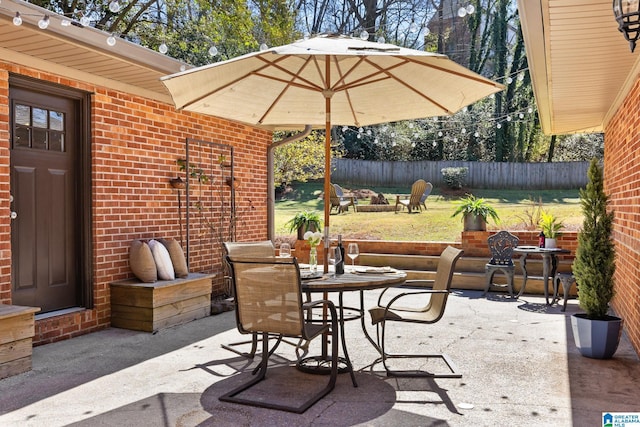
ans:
x=163 y=260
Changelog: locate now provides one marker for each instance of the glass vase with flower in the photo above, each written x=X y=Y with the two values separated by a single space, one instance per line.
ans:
x=314 y=238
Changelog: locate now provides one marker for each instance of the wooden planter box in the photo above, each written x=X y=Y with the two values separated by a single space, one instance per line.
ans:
x=152 y=306
x=16 y=338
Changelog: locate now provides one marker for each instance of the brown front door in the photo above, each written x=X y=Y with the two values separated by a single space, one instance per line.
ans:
x=44 y=137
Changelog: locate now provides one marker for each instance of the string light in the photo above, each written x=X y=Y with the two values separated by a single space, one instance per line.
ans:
x=44 y=22
x=111 y=40
x=114 y=6
x=163 y=48
x=17 y=20
x=364 y=35
x=85 y=21
x=213 y=51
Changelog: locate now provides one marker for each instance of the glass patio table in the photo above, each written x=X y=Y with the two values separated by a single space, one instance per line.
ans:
x=549 y=265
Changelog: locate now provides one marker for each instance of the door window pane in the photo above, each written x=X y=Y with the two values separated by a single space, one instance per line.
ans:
x=39 y=141
x=56 y=141
x=22 y=115
x=40 y=118
x=56 y=120
x=21 y=137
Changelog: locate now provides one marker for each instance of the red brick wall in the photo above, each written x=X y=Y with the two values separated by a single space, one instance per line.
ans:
x=474 y=244
x=5 y=221
x=135 y=143
x=622 y=183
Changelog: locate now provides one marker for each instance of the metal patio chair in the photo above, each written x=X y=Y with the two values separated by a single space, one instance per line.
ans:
x=501 y=246
x=269 y=301
x=432 y=312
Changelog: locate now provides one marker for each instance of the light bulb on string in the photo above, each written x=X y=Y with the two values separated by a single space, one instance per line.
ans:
x=381 y=40
x=17 y=20
x=509 y=80
x=359 y=136
x=462 y=12
x=393 y=144
x=499 y=126
x=85 y=21
x=521 y=116
x=435 y=144
x=163 y=48
x=114 y=6
x=44 y=22
x=65 y=23
x=413 y=145
x=360 y=129
x=111 y=40
x=470 y=9
x=375 y=141
x=369 y=132
x=364 y=35
x=410 y=125
x=413 y=27
x=463 y=130
x=521 y=77
x=263 y=47
x=476 y=134
x=345 y=128
x=426 y=30
x=183 y=67
x=213 y=51
x=393 y=135
x=440 y=134
x=530 y=110
x=508 y=118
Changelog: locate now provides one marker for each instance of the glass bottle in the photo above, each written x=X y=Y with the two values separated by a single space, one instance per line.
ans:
x=541 y=239
x=340 y=264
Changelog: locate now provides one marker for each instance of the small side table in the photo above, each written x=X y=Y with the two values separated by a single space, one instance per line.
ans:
x=549 y=264
x=567 y=280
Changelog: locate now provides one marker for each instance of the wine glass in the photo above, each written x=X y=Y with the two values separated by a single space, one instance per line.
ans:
x=335 y=256
x=285 y=250
x=353 y=252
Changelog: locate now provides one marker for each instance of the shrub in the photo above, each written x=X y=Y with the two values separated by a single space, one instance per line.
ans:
x=455 y=178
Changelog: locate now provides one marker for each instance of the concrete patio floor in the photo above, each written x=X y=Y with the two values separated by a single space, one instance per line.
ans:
x=519 y=364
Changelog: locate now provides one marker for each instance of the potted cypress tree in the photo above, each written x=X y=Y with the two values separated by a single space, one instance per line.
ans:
x=596 y=332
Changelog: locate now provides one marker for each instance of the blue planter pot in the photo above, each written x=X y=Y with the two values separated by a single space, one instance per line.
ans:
x=597 y=339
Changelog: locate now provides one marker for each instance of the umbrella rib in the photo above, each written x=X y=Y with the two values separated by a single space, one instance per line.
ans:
x=282 y=92
x=476 y=78
x=346 y=90
x=310 y=85
x=207 y=94
x=408 y=86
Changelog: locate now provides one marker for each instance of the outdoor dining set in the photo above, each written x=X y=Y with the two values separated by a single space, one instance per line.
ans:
x=277 y=299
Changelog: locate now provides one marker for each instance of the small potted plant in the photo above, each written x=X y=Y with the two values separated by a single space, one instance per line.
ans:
x=595 y=332
x=475 y=212
x=303 y=222
x=551 y=227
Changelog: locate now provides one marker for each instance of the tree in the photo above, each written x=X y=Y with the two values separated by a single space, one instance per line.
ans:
x=301 y=160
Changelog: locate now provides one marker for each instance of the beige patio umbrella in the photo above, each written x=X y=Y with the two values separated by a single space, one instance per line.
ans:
x=325 y=81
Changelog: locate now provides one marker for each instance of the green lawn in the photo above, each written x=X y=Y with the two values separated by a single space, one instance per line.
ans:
x=514 y=207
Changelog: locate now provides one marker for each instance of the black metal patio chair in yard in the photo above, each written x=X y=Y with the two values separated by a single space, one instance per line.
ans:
x=501 y=246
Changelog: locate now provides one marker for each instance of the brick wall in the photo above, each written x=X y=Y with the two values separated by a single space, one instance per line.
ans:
x=474 y=244
x=5 y=221
x=622 y=183
x=135 y=143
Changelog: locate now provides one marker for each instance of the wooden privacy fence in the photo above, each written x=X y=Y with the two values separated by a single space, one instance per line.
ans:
x=527 y=176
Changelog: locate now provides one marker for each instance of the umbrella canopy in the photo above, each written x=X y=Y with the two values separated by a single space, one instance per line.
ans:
x=329 y=80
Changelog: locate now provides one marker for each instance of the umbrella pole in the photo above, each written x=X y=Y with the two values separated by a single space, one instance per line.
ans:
x=327 y=161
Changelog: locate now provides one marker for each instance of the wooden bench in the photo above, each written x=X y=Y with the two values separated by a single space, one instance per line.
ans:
x=17 y=328
x=152 y=306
